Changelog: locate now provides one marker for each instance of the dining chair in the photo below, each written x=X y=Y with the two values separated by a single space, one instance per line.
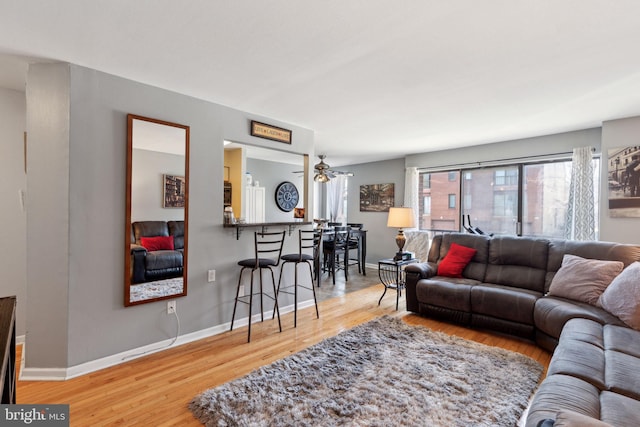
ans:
x=335 y=246
x=354 y=244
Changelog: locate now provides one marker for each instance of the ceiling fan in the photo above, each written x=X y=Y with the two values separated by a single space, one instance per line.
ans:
x=324 y=173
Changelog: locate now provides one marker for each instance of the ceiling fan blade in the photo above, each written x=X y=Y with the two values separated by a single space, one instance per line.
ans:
x=329 y=173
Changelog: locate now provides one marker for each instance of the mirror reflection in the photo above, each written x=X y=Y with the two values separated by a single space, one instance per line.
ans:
x=157 y=205
x=262 y=184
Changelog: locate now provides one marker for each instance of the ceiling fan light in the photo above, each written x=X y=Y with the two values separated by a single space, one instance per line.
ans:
x=320 y=177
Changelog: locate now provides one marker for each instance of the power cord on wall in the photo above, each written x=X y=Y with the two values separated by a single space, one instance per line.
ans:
x=153 y=350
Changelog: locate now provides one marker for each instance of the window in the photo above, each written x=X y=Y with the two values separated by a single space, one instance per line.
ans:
x=434 y=190
x=505 y=204
x=527 y=199
x=427 y=205
x=506 y=177
x=426 y=180
x=545 y=195
x=495 y=195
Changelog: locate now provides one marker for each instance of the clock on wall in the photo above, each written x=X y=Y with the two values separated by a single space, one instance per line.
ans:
x=287 y=196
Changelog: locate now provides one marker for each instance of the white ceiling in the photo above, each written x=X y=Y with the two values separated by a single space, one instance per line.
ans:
x=374 y=79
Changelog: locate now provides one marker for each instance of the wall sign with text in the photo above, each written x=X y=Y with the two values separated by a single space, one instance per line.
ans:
x=274 y=133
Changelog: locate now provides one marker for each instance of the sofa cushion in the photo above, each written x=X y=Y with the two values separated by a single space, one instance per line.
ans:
x=621 y=339
x=608 y=251
x=558 y=392
x=445 y=293
x=478 y=265
x=160 y=260
x=584 y=330
x=455 y=261
x=517 y=261
x=622 y=296
x=504 y=302
x=157 y=243
x=618 y=410
x=622 y=373
x=551 y=313
x=567 y=418
x=579 y=359
x=581 y=279
x=176 y=229
x=149 y=229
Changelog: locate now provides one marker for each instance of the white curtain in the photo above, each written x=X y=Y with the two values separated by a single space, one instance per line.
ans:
x=411 y=200
x=336 y=197
x=581 y=208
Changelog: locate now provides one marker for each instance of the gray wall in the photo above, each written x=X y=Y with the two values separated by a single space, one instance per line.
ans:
x=148 y=169
x=499 y=151
x=49 y=216
x=270 y=175
x=75 y=231
x=380 y=239
x=13 y=251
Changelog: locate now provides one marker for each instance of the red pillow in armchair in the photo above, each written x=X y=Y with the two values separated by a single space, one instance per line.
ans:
x=157 y=243
x=455 y=260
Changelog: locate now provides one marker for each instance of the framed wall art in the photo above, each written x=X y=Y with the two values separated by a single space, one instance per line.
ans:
x=174 y=191
x=623 y=178
x=377 y=197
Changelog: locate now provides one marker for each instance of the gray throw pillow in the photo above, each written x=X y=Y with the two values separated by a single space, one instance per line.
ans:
x=622 y=296
x=582 y=279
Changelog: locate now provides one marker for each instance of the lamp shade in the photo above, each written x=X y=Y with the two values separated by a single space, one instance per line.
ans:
x=401 y=218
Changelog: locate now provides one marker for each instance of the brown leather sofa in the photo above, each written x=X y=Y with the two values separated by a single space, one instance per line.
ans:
x=504 y=288
x=148 y=266
x=594 y=371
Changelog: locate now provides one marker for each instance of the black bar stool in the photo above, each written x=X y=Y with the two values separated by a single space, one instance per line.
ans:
x=309 y=254
x=268 y=249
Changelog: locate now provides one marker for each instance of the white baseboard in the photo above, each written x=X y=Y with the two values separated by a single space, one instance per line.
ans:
x=61 y=374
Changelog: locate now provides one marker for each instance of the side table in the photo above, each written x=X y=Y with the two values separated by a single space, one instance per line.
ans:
x=391 y=275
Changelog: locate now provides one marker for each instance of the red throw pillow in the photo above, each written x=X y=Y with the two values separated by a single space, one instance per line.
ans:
x=455 y=260
x=157 y=243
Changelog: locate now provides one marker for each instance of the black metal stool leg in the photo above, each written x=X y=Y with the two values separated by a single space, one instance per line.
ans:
x=295 y=296
x=313 y=289
x=250 y=305
x=273 y=280
x=235 y=305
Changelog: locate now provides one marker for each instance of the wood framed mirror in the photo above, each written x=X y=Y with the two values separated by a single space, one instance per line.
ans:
x=157 y=205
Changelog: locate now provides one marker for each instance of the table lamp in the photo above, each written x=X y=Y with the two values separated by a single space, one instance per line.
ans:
x=401 y=218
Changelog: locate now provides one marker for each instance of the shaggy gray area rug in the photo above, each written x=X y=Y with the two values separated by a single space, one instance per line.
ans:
x=381 y=373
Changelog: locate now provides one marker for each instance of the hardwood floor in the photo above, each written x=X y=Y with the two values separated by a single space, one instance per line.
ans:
x=155 y=390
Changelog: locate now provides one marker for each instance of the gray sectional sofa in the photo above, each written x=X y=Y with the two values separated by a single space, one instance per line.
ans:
x=505 y=287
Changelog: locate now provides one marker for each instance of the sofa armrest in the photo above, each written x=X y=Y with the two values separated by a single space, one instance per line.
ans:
x=138 y=268
x=413 y=273
x=422 y=269
x=137 y=248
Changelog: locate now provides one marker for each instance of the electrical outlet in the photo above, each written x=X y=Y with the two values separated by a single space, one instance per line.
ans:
x=171 y=307
x=212 y=276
